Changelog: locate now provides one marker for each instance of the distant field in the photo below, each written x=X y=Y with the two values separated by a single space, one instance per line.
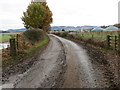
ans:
x=6 y=36
x=98 y=35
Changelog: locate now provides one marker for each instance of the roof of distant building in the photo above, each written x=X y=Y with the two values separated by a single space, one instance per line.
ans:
x=97 y=29
x=111 y=28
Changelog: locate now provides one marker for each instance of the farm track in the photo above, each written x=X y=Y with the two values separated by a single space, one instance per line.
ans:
x=64 y=64
x=46 y=71
x=87 y=68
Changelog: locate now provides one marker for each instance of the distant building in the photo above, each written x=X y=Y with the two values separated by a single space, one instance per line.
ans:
x=111 y=28
x=86 y=28
x=38 y=1
x=97 y=29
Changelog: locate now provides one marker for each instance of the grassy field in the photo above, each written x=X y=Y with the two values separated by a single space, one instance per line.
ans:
x=101 y=38
x=6 y=36
x=97 y=35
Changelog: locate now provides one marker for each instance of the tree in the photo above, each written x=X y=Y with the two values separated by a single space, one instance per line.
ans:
x=48 y=17
x=37 y=16
x=104 y=27
x=63 y=30
x=117 y=25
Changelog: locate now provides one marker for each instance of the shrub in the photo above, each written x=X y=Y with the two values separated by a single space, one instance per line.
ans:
x=70 y=36
x=33 y=35
x=64 y=34
x=57 y=33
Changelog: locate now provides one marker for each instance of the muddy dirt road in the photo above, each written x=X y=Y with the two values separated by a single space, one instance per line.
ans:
x=63 y=64
x=45 y=72
x=80 y=72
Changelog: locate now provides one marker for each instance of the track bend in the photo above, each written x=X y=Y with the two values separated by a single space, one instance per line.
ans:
x=81 y=73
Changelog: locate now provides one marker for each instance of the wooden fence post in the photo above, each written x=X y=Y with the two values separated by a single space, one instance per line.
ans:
x=119 y=44
x=92 y=35
x=115 y=42
x=108 y=42
x=17 y=36
x=12 y=48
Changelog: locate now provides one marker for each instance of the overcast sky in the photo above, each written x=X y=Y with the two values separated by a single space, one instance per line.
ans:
x=65 y=12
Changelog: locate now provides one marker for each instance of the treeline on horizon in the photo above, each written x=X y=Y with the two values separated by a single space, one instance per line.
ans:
x=23 y=29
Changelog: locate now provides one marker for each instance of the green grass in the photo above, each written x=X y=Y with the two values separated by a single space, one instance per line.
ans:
x=39 y=45
x=6 y=36
x=101 y=37
x=97 y=35
x=13 y=61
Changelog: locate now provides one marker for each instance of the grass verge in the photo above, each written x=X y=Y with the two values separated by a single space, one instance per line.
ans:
x=23 y=54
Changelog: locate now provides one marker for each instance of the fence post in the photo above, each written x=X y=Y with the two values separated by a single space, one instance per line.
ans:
x=119 y=44
x=108 y=42
x=92 y=35
x=12 y=47
x=17 y=36
x=115 y=42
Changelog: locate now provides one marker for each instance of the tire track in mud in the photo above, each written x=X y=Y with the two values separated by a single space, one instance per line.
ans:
x=46 y=72
x=60 y=69
x=64 y=64
x=81 y=72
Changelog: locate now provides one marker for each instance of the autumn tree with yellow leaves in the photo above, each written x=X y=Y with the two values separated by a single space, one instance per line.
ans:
x=37 y=16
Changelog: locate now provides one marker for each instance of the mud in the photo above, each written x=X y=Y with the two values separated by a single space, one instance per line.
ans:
x=22 y=66
x=107 y=64
x=66 y=64
x=46 y=71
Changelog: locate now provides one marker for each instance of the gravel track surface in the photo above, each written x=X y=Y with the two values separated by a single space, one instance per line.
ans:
x=65 y=64
x=46 y=71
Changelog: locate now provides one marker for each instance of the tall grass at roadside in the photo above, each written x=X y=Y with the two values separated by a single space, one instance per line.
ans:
x=7 y=60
